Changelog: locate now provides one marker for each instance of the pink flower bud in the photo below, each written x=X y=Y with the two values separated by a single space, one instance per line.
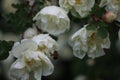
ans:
x=109 y=17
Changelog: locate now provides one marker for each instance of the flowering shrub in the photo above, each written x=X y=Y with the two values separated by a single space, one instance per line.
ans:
x=52 y=29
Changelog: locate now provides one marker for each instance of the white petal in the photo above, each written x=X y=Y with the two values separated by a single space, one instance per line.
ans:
x=103 y=3
x=38 y=74
x=29 y=33
x=79 y=53
x=80 y=33
x=65 y=5
x=40 y=38
x=82 y=12
x=19 y=74
x=25 y=77
x=18 y=64
x=106 y=43
x=47 y=65
x=79 y=43
x=92 y=47
x=45 y=40
x=25 y=45
x=97 y=53
x=16 y=44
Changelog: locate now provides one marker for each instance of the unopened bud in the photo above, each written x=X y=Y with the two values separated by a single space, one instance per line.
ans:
x=109 y=17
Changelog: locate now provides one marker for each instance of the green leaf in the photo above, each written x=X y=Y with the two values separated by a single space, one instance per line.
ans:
x=101 y=28
x=5 y=47
x=102 y=24
x=91 y=26
x=98 y=11
x=102 y=32
x=19 y=21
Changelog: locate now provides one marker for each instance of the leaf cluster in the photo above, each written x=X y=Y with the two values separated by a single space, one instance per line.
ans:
x=22 y=18
x=98 y=11
x=101 y=28
x=5 y=47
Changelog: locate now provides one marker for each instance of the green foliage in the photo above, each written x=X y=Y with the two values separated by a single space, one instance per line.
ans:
x=97 y=23
x=102 y=32
x=5 y=47
x=22 y=18
x=101 y=28
x=98 y=11
x=91 y=26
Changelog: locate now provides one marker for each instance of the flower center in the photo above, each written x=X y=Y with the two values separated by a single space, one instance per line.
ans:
x=42 y=48
x=78 y=2
x=32 y=63
x=29 y=62
x=92 y=38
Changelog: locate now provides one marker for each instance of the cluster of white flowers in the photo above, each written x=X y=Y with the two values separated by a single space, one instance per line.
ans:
x=34 y=51
x=112 y=6
x=79 y=8
x=86 y=41
x=32 y=57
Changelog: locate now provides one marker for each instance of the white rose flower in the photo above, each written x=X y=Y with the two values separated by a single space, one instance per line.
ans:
x=112 y=6
x=85 y=41
x=53 y=20
x=45 y=44
x=31 y=62
x=77 y=7
x=32 y=57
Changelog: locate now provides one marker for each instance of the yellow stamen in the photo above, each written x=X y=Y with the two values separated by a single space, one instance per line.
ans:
x=42 y=48
x=78 y=2
x=29 y=62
